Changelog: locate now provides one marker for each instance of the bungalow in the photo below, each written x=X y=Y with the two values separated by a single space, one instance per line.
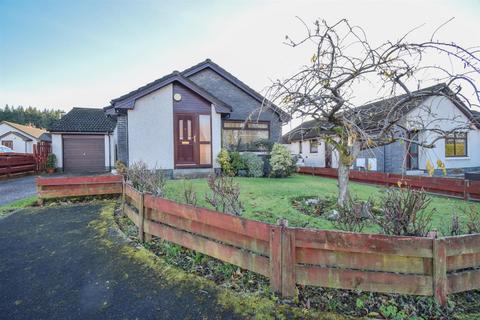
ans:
x=178 y=123
x=21 y=138
x=459 y=152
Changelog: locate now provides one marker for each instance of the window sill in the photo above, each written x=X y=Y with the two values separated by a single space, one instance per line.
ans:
x=456 y=158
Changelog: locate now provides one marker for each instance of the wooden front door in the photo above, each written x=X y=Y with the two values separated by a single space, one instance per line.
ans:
x=185 y=139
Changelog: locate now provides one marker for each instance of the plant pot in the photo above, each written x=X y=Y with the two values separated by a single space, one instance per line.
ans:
x=50 y=170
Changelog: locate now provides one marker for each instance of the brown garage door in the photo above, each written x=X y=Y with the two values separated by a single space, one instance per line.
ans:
x=83 y=153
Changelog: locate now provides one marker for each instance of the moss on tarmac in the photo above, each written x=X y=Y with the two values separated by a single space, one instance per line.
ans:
x=70 y=262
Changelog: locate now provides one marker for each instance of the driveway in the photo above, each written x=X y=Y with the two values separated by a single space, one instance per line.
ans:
x=16 y=189
x=54 y=266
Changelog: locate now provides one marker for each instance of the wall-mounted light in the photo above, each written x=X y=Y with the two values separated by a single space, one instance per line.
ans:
x=177 y=97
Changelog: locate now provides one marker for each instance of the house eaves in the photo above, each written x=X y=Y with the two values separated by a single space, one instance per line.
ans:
x=127 y=101
x=18 y=134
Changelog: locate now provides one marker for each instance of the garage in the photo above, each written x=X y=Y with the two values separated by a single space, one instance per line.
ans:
x=83 y=153
x=83 y=141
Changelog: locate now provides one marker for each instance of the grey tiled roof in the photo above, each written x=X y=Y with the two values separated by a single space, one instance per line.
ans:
x=370 y=116
x=84 y=120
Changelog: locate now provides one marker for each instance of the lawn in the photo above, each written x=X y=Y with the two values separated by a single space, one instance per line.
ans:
x=18 y=204
x=268 y=199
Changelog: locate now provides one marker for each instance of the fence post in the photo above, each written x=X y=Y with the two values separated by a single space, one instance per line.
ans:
x=282 y=259
x=288 y=260
x=123 y=197
x=439 y=269
x=466 y=185
x=276 y=258
x=141 y=219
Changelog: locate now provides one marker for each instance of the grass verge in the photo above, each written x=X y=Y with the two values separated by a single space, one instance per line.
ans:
x=19 y=204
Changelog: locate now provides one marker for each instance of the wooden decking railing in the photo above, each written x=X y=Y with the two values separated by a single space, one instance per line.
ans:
x=289 y=256
x=460 y=188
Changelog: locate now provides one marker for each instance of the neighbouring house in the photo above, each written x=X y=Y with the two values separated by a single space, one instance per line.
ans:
x=21 y=138
x=179 y=122
x=83 y=140
x=460 y=152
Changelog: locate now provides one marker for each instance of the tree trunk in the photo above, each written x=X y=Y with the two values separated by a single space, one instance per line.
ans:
x=343 y=193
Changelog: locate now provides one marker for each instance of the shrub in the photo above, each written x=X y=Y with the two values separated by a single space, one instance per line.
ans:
x=263 y=144
x=224 y=160
x=473 y=219
x=51 y=161
x=253 y=164
x=353 y=215
x=280 y=161
x=121 y=167
x=146 y=180
x=189 y=195
x=236 y=161
x=225 y=196
x=404 y=212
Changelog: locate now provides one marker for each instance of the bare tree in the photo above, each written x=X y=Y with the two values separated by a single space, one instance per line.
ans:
x=344 y=62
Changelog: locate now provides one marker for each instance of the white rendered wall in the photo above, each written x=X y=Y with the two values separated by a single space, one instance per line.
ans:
x=57 y=149
x=19 y=145
x=310 y=159
x=450 y=118
x=150 y=130
x=216 y=136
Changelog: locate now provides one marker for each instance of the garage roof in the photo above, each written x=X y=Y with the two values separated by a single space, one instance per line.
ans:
x=84 y=120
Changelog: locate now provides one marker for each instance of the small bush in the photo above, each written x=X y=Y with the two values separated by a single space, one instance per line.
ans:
x=253 y=164
x=237 y=163
x=146 y=180
x=404 y=212
x=224 y=160
x=189 y=195
x=121 y=167
x=263 y=145
x=280 y=161
x=51 y=161
x=473 y=219
x=353 y=216
x=225 y=196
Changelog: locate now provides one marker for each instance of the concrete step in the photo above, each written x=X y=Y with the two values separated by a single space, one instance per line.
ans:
x=192 y=173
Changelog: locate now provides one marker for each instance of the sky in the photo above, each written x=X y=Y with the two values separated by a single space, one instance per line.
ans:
x=64 y=54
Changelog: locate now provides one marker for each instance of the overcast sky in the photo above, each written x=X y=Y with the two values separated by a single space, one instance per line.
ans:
x=64 y=54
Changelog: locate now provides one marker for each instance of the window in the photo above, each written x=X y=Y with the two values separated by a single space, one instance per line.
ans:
x=313 y=146
x=8 y=144
x=205 y=139
x=456 y=144
x=243 y=136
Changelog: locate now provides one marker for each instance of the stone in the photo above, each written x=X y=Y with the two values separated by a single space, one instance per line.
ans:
x=312 y=202
x=333 y=215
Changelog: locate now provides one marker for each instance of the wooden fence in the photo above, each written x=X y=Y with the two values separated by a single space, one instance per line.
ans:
x=290 y=256
x=465 y=189
x=60 y=187
x=16 y=163
x=41 y=150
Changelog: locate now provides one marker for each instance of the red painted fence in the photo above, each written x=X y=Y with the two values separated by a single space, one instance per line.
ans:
x=41 y=151
x=290 y=256
x=465 y=189
x=59 y=187
x=334 y=259
x=16 y=163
